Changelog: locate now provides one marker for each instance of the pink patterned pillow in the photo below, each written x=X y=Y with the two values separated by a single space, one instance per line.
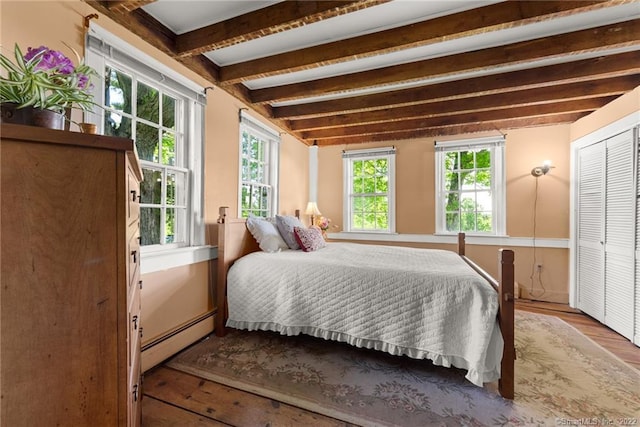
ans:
x=309 y=239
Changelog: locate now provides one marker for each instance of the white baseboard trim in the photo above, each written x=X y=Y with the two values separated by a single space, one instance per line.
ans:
x=447 y=239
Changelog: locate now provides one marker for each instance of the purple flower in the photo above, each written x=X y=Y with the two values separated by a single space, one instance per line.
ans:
x=83 y=81
x=50 y=60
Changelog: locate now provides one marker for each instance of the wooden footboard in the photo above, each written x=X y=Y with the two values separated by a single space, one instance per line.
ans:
x=235 y=241
x=505 y=288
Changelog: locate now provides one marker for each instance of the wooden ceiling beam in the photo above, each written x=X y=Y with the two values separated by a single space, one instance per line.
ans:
x=463 y=24
x=263 y=22
x=561 y=107
x=587 y=69
x=570 y=91
x=498 y=126
x=618 y=35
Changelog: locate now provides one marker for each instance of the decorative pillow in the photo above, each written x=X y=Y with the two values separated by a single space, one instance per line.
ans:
x=309 y=239
x=285 y=226
x=266 y=234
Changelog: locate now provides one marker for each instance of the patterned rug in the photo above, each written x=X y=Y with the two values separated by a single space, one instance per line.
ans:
x=562 y=378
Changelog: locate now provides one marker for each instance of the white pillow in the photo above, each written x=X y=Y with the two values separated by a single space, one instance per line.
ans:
x=286 y=225
x=266 y=234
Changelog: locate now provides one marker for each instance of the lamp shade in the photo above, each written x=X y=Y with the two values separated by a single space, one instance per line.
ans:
x=312 y=209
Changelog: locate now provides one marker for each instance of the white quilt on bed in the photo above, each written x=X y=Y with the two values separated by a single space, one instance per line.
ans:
x=417 y=302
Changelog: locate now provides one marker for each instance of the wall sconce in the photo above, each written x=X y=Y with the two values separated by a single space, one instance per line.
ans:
x=539 y=171
x=312 y=209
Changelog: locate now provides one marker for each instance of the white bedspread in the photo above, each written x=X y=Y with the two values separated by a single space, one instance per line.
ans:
x=416 y=302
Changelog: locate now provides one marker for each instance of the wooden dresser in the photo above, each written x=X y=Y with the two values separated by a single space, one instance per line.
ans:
x=69 y=283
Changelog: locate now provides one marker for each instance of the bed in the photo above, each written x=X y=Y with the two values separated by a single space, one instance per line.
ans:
x=374 y=296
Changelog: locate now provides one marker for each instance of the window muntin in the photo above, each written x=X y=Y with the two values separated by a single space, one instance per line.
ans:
x=155 y=118
x=369 y=195
x=258 y=170
x=470 y=196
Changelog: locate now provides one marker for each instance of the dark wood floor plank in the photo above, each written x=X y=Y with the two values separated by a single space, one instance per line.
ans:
x=159 y=414
x=226 y=404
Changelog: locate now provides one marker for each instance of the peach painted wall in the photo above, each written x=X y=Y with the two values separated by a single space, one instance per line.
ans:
x=615 y=110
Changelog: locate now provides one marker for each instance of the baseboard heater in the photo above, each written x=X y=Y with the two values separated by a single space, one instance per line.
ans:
x=165 y=346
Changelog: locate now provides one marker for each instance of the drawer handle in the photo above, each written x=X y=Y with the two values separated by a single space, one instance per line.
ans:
x=141 y=329
x=134 y=320
x=134 y=256
x=140 y=284
x=133 y=195
x=135 y=392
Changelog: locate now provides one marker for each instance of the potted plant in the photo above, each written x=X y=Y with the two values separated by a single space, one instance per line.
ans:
x=40 y=87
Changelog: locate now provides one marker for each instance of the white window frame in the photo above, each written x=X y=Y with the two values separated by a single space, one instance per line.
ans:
x=103 y=48
x=388 y=153
x=496 y=146
x=271 y=138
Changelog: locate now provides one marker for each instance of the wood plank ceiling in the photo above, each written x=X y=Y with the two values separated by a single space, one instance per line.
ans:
x=477 y=67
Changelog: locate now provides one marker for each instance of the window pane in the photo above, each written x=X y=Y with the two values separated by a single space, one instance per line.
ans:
x=484 y=222
x=369 y=184
x=483 y=179
x=453 y=221
x=168 y=112
x=382 y=184
x=168 y=148
x=151 y=187
x=117 y=90
x=381 y=166
x=451 y=160
x=171 y=189
x=452 y=202
x=148 y=103
x=117 y=125
x=150 y=226
x=170 y=226
x=451 y=181
x=466 y=160
x=382 y=221
x=147 y=142
x=483 y=159
x=358 y=220
x=357 y=168
x=358 y=185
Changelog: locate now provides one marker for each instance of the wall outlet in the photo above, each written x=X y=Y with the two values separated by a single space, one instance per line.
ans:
x=538 y=267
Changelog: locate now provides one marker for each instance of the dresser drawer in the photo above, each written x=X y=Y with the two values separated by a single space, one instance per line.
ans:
x=133 y=198
x=133 y=262
x=135 y=395
x=135 y=328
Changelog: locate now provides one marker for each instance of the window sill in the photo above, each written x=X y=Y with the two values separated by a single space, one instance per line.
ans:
x=172 y=258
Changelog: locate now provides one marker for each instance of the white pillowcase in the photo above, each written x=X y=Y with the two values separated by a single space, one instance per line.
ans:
x=266 y=234
x=286 y=225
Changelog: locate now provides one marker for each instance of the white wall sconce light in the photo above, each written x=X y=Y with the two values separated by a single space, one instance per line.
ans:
x=539 y=171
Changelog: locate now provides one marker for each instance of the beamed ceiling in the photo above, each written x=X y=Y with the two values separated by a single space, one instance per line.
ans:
x=344 y=72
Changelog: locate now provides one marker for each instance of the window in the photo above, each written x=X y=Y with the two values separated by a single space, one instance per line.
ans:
x=470 y=186
x=164 y=118
x=259 y=150
x=369 y=193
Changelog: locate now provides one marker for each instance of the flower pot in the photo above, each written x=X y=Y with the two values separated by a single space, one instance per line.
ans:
x=10 y=113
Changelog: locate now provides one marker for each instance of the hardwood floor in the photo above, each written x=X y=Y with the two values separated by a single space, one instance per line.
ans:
x=173 y=398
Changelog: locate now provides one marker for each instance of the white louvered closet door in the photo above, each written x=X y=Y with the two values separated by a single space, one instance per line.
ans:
x=636 y=336
x=590 y=233
x=620 y=221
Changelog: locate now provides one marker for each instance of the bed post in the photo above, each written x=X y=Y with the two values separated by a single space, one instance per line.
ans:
x=461 y=244
x=221 y=282
x=506 y=318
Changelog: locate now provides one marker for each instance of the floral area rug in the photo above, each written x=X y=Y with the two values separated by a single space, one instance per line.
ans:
x=562 y=378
